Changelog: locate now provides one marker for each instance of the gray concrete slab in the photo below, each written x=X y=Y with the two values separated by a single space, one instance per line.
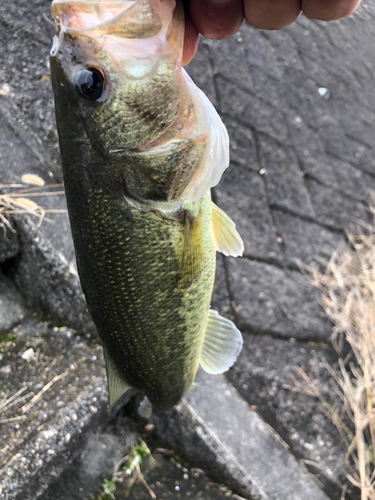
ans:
x=9 y=243
x=244 y=445
x=45 y=270
x=242 y=195
x=38 y=438
x=275 y=301
x=305 y=243
x=268 y=384
x=12 y=306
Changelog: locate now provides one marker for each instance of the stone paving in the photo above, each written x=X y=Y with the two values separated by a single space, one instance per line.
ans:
x=299 y=106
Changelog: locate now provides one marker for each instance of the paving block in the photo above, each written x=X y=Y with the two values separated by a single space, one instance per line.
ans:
x=275 y=301
x=340 y=175
x=245 y=450
x=225 y=57
x=260 y=51
x=244 y=106
x=304 y=242
x=265 y=375
x=333 y=207
x=283 y=177
x=242 y=144
x=220 y=296
x=241 y=194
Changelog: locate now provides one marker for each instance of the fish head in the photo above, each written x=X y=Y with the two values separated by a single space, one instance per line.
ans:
x=115 y=68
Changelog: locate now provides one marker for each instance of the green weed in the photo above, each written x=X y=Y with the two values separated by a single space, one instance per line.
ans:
x=128 y=467
x=136 y=456
x=6 y=337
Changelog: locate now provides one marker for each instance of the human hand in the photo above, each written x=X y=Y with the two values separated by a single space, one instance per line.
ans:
x=219 y=19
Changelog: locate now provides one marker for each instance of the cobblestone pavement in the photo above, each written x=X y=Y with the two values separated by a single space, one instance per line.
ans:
x=300 y=110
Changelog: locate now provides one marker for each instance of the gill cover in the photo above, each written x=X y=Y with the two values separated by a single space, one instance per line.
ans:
x=124 y=59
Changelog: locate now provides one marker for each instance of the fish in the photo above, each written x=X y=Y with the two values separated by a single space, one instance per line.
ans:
x=141 y=147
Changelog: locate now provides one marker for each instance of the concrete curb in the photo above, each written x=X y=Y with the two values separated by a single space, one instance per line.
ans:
x=215 y=428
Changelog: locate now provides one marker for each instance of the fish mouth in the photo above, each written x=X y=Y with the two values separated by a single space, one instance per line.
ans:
x=126 y=30
x=126 y=19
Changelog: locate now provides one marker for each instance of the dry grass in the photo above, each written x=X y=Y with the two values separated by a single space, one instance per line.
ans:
x=348 y=287
x=14 y=200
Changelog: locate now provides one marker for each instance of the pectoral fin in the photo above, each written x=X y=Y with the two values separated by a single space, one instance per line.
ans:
x=228 y=241
x=117 y=386
x=222 y=344
x=192 y=257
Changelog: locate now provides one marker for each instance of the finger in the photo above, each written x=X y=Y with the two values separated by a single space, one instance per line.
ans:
x=271 y=14
x=216 y=19
x=190 y=41
x=329 y=10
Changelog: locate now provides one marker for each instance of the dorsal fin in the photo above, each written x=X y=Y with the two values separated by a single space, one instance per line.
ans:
x=221 y=345
x=228 y=241
x=117 y=386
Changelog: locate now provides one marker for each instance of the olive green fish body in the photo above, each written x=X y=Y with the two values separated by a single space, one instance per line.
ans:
x=150 y=316
x=141 y=147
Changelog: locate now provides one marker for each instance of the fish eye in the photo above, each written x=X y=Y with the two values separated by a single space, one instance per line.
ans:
x=90 y=83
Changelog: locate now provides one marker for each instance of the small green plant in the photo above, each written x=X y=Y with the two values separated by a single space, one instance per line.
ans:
x=109 y=487
x=136 y=455
x=6 y=338
x=176 y=458
x=129 y=467
x=45 y=335
x=50 y=322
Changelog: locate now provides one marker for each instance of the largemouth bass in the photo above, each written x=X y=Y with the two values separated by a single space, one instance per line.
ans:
x=141 y=147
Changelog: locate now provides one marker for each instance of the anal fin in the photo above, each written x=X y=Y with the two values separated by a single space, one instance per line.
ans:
x=222 y=344
x=228 y=240
x=117 y=386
